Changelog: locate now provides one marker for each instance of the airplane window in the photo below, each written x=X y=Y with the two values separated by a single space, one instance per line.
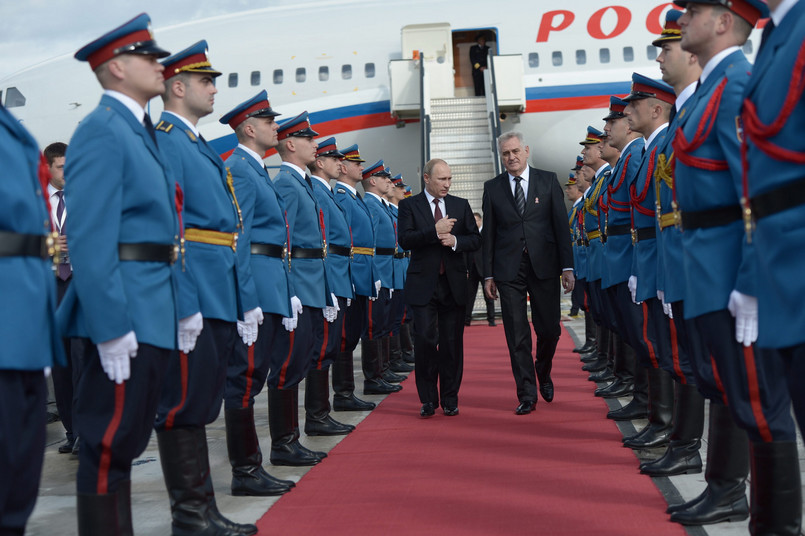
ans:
x=628 y=54
x=556 y=58
x=324 y=73
x=14 y=99
x=369 y=70
x=278 y=76
x=748 y=47
x=533 y=60
x=255 y=78
x=651 y=52
x=581 y=57
x=301 y=74
x=233 y=79
x=603 y=55
x=346 y=72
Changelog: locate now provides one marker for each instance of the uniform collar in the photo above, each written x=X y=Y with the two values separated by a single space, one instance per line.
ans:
x=655 y=133
x=348 y=187
x=715 y=60
x=187 y=123
x=321 y=180
x=782 y=10
x=252 y=154
x=128 y=102
x=684 y=95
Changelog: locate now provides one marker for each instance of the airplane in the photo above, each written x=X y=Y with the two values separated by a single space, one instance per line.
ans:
x=355 y=65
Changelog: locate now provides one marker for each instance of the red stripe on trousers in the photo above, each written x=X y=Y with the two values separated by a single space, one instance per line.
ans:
x=284 y=368
x=754 y=394
x=172 y=413
x=651 y=354
x=717 y=378
x=675 y=352
x=323 y=345
x=249 y=377
x=344 y=333
x=108 y=437
x=370 y=320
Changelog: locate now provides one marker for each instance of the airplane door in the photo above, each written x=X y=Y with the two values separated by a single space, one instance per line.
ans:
x=435 y=43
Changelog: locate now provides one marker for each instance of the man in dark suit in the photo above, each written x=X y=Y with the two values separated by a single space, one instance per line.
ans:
x=478 y=54
x=526 y=247
x=474 y=277
x=438 y=229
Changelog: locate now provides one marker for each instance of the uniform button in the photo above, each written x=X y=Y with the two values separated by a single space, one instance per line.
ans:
x=38 y=191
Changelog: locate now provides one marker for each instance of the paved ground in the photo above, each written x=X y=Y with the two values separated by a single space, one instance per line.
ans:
x=55 y=507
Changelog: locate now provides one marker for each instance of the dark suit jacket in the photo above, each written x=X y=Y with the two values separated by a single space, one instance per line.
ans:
x=542 y=229
x=417 y=232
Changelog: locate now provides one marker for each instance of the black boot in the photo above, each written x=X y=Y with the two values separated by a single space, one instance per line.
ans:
x=660 y=412
x=124 y=509
x=215 y=516
x=385 y=362
x=344 y=398
x=726 y=471
x=248 y=476
x=374 y=384
x=98 y=515
x=637 y=408
x=317 y=406
x=297 y=434
x=185 y=474
x=589 y=334
x=604 y=375
x=396 y=362
x=282 y=414
x=682 y=456
x=407 y=343
x=775 y=489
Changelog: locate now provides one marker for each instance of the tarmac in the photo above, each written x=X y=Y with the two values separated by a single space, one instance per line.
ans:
x=55 y=511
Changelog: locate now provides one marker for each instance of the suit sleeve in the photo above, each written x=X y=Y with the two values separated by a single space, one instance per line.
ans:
x=560 y=228
x=411 y=236
x=488 y=243
x=471 y=239
x=245 y=192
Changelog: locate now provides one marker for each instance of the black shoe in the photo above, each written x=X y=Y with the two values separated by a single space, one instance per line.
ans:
x=595 y=366
x=525 y=407
x=629 y=412
x=75 y=446
x=351 y=403
x=428 y=410
x=68 y=446
x=589 y=357
x=588 y=346
x=653 y=438
x=379 y=387
x=492 y=323
x=467 y=322
x=390 y=377
x=254 y=481
x=450 y=411
x=604 y=375
x=675 y=461
x=400 y=366
x=546 y=390
x=712 y=510
x=616 y=389
x=326 y=426
x=687 y=504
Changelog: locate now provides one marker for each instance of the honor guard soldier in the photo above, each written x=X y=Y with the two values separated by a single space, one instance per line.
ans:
x=297 y=149
x=366 y=284
x=681 y=70
x=31 y=340
x=122 y=300
x=210 y=305
x=773 y=119
x=375 y=344
x=400 y=264
x=265 y=282
x=720 y=273
x=327 y=167
x=580 y=295
x=406 y=339
x=618 y=259
x=647 y=113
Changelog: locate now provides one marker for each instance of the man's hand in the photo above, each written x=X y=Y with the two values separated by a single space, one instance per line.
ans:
x=448 y=240
x=632 y=284
x=490 y=289
x=568 y=281
x=445 y=225
x=666 y=307
x=189 y=330
x=377 y=291
x=744 y=309
x=290 y=323
x=116 y=356
x=247 y=328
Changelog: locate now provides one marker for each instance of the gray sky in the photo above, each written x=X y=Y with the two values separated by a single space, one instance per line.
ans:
x=32 y=31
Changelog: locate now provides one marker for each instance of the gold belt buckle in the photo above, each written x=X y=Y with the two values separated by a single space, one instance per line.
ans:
x=351 y=253
x=285 y=251
x=53 y=249
x=749 y=225
x=634 y=236
x=324 y=250
x=235 y=242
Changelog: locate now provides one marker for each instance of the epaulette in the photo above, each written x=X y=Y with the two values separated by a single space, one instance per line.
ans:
x=164 y=126
x=190 y=134
x=341 y=191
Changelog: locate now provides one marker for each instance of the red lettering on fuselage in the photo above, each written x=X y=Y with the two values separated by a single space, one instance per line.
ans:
x=561 y=19
x=594 y=24
x=546 y=26
x=655 y=22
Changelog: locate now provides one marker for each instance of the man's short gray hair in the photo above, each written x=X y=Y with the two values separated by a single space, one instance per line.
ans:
x=509 y=135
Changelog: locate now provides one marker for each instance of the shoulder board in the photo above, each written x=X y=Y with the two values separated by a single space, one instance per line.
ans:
x=341 y=191
x=164 y=126
x=190 y=134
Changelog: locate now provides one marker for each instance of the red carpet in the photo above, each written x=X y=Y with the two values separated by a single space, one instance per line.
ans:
x=559 y=470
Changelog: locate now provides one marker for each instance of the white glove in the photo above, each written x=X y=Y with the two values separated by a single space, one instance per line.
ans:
x=744 y=309
x=189 y=330
x=633 y=288
x=247 y=328
x=349 y=302
x=47 y=371
x=391 y=292
x=296 y=309
x=377 y=291
x=331 y=311
x=666 y=307
x=116 y=355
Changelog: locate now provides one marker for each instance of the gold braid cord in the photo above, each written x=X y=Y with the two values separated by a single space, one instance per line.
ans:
x=230 y=183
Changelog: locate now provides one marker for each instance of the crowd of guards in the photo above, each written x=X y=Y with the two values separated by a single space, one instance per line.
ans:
x=688 y=249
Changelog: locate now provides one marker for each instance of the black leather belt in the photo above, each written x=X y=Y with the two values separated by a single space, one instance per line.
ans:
x=309 y=253
x=145 y=252
x=704 y=219
x=340 y=250
x=384 y=251
x=408 y=254
x=787 y=196
x=399 y=255
x=616 y=230
x=579 y=242
x=23 y=245
x=269 y=250
x=643 y=234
